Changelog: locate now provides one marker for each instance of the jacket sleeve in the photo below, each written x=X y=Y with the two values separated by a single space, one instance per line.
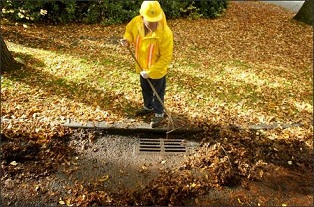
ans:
x=129 y=30
x=160 y=67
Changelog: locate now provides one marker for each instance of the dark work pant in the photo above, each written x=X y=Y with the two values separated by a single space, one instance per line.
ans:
x=150 y=100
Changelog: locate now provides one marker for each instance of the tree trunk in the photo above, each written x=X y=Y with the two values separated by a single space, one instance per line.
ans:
x=7 y=62
x=305 y=14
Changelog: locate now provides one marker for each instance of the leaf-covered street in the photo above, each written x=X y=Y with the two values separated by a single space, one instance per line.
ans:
x=251 y=66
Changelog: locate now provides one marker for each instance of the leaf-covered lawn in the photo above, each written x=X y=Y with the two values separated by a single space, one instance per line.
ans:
x=253 y=65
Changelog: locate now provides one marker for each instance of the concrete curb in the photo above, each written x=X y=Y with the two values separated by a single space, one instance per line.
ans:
x=131 y=129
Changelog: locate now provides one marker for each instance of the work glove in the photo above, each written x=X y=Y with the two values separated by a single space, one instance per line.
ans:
x=144 y=74
x=124 y=43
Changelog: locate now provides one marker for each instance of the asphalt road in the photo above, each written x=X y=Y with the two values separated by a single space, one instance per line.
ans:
x=293 y=6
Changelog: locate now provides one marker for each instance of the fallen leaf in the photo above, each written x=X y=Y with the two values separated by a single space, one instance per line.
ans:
x=14 y=163
x=104 y=178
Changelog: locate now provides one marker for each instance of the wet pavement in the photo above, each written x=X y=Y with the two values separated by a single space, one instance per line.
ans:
x=117 y=162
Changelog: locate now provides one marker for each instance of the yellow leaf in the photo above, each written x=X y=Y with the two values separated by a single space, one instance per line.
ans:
x=240 y=201
x=261 y=173
x=103 y=178
x=68 y=202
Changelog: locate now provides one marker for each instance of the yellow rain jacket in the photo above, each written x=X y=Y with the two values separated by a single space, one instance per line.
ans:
x=153 y=51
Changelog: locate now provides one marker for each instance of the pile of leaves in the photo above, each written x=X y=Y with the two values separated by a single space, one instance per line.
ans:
x=253 y=65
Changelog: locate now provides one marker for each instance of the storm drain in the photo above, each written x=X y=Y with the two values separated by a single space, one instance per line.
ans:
x=147 y=145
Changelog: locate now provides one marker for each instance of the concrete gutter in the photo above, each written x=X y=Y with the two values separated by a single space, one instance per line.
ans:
x=127 y=127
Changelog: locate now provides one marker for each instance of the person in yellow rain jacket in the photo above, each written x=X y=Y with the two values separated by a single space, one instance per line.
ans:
x=153 y=42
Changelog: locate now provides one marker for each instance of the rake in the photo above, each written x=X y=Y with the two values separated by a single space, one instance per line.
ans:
x=124 y=128
x=170 y=120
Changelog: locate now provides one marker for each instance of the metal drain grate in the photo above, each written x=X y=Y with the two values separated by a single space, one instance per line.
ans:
x=161 y=146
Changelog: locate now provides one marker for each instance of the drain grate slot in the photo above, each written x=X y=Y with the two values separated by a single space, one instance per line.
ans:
x=149 y=150
x=175 y=147
x=150 y=145
x=147 y=145
x=175 y=151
